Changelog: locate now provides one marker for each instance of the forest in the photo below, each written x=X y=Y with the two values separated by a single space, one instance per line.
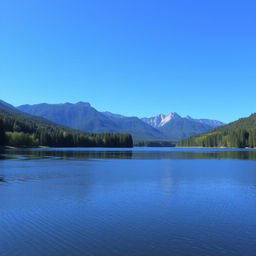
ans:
x=22 y=130
x=153 y=143
x=238 y=134
x=241 y=138
x=2 y=133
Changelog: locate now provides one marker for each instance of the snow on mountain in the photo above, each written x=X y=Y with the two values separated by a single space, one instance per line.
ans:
x=163 y=119
x=83 y=116
x=160 y=120
x=168 y=118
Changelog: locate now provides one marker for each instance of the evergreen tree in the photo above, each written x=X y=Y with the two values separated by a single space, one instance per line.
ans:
x=2 y=134
x=25 y=130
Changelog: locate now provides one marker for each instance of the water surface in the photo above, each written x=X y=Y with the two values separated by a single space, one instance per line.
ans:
x=142 y=201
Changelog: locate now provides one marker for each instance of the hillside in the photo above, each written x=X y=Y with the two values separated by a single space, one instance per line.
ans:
x=23 y=129
x=180 y=128
x=241 y=133
x=84 y=117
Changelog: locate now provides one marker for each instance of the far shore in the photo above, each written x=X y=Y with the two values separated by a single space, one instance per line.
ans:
x=212 y=147
x=12 y=147
x=197 y=147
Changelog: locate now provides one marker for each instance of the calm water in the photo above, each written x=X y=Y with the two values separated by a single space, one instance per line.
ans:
x=128 y=202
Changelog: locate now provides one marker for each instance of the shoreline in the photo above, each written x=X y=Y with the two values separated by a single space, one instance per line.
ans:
x=178 y=147
x=12 y=147
x=212 y=147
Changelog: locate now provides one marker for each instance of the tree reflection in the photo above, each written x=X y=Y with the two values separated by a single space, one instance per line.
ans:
x=70 y=154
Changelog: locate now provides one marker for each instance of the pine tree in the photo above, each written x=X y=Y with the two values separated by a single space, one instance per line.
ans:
x=2 y=134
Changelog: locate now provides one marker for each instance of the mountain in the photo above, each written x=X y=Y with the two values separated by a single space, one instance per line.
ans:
x=22 y=129
x=212 y=123
x=79 y=116
x=175 y=127
x=7 y=111
x=160 y=120
x=111 y=115
x=241 y=133
x=84 y=117
x=3 y=103
x=180 y=128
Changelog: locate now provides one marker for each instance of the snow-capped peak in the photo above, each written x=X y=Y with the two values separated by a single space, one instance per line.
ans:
x=168 y=118
x=161 y=119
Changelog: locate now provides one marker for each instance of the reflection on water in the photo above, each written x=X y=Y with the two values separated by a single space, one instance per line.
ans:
x=127 y=202
x=136 y=153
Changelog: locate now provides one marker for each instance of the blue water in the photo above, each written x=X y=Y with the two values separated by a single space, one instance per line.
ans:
x=144 y=201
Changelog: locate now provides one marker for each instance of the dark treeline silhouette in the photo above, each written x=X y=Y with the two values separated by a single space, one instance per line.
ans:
x=241 y=138
x=67 y=139
x=66 y=154
x=86 y=154
x=20 y=129
x=154 y=143
x=2 y=135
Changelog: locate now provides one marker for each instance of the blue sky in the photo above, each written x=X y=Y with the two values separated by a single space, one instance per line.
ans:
x=131 y=57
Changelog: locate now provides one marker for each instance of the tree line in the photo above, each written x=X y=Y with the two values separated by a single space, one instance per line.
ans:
x=154 y=143
x=2 y=133
x=240 y=138
x=19 y=130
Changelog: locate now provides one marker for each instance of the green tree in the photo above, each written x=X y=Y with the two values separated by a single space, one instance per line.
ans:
x=2 y=134
x=26 y=130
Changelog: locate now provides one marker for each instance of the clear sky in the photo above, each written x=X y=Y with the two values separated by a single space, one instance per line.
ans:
x=133 y=57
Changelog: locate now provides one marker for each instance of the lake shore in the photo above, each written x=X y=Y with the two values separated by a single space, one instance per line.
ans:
x=212 y=147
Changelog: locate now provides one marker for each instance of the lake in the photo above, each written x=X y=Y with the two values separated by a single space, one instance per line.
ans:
x=141 y=201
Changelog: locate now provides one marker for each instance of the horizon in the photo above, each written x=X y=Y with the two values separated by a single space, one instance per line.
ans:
x=115 y=112
x=135 y=58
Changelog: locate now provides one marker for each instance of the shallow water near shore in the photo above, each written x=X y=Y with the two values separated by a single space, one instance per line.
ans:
x=141 y=201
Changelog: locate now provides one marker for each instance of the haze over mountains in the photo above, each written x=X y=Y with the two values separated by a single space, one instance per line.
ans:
x=84 y=117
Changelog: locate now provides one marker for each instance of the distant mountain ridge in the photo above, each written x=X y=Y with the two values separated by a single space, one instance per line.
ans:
x=5 y=104
x=84 y=117
x=175 y=127
x=162 y=119
x=213 y=123
x=18 y=128
x=240 y=133
x=109 y=114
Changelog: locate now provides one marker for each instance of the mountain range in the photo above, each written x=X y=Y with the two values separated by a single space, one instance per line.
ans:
x=22 y=129
x=83 y=116
x=51 y=125
x=175 y=127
